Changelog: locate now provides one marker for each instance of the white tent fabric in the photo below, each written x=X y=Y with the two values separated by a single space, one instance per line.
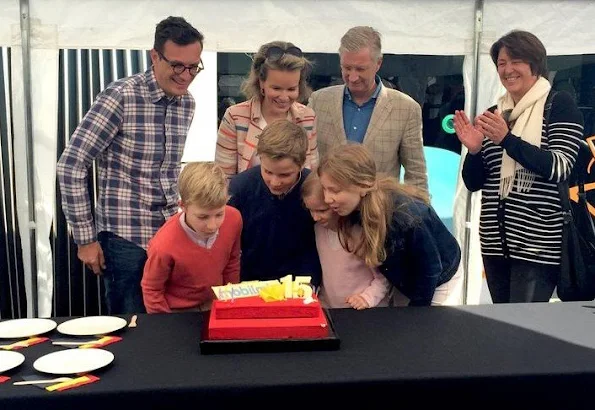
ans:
x=9 y=19
x=431 y=27
x=45 y=130
x=202 y=135
x=564 y=27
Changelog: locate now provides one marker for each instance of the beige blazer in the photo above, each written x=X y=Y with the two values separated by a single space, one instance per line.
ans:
x=394 y=135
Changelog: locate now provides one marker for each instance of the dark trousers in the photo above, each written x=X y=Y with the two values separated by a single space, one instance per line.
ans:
x=124 y=264
x=518 y=281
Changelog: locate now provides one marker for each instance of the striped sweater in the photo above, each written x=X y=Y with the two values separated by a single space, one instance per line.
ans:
x=240 y=128
x=527 y=225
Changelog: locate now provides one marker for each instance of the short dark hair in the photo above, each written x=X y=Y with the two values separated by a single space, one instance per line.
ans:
x=524 y=46
x=177 y=30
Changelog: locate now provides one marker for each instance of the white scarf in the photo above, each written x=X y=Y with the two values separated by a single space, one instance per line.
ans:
x=527 y=116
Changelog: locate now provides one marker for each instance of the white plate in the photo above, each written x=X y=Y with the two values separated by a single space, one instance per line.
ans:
x=73 y=361
x=18 y=328
x=92 y=325
x=10 y=360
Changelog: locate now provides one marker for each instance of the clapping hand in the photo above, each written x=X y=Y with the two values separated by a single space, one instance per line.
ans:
x=492 y=125
x=357 y=302
x=469 y=135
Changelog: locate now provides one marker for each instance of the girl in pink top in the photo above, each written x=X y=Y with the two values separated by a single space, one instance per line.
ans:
x=346 y=280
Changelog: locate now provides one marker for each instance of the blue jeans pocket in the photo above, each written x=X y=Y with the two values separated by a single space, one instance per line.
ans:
x=124 y=264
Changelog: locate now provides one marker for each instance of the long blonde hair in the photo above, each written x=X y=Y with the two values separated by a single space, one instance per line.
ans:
x=352 y=165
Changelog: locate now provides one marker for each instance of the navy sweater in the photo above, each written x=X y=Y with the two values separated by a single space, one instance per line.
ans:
x=421 y=252
x=278 y=234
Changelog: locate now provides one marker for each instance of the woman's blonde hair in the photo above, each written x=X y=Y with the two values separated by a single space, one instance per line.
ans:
x=352 y=165
x=203 y=184
x=288 y=62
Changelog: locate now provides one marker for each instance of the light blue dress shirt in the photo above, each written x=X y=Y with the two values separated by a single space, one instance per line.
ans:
x=356 y=118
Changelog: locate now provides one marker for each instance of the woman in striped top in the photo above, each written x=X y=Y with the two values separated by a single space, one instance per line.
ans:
x=276 y=83
x=517 y=157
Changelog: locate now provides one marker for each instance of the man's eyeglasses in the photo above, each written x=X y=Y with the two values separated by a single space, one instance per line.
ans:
x=179 y=68
x=275 y=53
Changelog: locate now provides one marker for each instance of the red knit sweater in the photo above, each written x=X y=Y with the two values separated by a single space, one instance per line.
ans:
x=179 y=274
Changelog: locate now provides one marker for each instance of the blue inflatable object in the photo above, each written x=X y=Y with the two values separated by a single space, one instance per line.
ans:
x=443 y=170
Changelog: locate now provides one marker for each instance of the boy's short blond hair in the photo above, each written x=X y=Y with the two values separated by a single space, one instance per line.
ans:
x=203 y=184
x=284 y=139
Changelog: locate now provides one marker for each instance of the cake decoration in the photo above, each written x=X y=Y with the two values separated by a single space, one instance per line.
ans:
x=269 y=291
x=240 y=290
x=279 y=309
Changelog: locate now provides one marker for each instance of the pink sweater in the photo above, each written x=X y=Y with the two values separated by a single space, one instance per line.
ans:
x=344 y=274
x=179 y=273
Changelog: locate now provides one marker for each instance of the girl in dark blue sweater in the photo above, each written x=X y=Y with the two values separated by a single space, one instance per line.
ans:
x=401 y=233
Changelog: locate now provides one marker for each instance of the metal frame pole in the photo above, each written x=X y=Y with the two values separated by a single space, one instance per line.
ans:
x=477 y=33
x=32 y=226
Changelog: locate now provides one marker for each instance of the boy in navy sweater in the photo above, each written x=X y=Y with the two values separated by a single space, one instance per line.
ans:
x=278 y=235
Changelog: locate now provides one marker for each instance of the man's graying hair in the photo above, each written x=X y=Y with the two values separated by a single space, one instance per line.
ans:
x=360 y=37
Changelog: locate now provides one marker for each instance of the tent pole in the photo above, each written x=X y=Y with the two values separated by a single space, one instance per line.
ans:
x=25 y=46
x=477 y=32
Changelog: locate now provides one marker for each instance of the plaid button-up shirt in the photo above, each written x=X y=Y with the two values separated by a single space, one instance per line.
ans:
x=137 y=134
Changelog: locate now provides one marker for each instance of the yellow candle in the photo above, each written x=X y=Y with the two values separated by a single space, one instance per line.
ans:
x=302 y=287
x=287 y=286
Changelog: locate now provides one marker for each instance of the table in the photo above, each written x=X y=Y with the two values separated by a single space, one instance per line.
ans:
x=469 y=356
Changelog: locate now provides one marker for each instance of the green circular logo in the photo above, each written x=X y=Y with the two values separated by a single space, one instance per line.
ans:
x=447 y=124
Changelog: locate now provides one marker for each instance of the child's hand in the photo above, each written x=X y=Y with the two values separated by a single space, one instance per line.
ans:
x=357 y=302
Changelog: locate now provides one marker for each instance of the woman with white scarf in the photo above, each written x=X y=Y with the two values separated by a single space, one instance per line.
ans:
x=517 y=160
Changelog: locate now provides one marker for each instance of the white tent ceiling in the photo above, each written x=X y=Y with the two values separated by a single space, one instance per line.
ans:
x=428 y=27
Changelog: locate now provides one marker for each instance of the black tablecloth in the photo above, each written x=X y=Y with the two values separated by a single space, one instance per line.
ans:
x=420 y=356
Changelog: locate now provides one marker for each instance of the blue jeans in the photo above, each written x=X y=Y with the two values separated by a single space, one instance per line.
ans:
x=124 y=264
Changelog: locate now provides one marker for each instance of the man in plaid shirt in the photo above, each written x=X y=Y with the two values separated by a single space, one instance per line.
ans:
x=136 y=130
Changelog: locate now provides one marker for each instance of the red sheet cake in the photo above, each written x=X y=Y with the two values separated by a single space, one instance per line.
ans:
x=253 y=318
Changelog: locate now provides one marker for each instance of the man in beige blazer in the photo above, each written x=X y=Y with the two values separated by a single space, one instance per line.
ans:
x=363 y=110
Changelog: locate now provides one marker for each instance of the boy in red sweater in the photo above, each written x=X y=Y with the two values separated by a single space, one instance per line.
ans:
x=195 y=249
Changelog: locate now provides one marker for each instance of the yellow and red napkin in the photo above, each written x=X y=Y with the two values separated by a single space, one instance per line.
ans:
x=104 y=341
x=24 y=343
x=71 y=384
x=78 y=381
x=75 y=344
